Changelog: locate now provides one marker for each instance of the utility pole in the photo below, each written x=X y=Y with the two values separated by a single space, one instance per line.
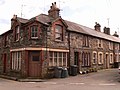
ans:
x=22 y=10
x=108 y=19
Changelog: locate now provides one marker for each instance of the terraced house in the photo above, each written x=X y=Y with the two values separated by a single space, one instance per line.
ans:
x=33 y=45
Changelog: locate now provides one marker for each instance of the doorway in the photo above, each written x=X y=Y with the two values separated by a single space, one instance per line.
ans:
x=4 y=62
x=35 y=66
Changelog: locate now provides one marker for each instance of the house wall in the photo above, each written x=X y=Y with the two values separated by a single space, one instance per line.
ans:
x=77 y=45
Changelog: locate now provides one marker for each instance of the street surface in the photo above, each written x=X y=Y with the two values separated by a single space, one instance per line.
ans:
x=101 y=80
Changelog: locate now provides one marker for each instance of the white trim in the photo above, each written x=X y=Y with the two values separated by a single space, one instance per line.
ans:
x=43 y=49
x=99 y=57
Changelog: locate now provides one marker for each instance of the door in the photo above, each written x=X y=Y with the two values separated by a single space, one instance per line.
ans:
x=34 y=64
x=76 y=59
x=4 y=63
x=107 y=62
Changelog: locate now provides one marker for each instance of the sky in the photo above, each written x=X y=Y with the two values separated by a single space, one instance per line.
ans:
x=84 y=12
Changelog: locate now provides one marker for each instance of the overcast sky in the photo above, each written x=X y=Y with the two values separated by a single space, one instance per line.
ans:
x=84 y=12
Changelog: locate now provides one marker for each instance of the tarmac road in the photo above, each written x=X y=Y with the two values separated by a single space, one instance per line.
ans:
x=101 y=80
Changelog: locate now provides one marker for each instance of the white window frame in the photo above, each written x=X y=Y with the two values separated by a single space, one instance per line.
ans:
x=16 y=60
x=58 y=58
x=111 y=58
x=94 y=52
x=100 y=61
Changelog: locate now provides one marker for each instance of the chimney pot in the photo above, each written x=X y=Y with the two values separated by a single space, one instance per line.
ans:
x=97 y=26
x=107 y=30
x=54 y=11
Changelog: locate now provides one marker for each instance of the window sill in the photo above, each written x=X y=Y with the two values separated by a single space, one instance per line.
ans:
x=15 y=71
x=58 y=41
x=100 y=63
x=34 y=38
x=111 y=63
x=94 y=63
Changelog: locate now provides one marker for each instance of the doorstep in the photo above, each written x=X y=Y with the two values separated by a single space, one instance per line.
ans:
x=8 y=77
x=22 y=80
x=31 y=80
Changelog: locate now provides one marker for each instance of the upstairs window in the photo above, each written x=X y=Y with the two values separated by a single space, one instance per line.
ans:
x=110 y=45
x=85 y=41
x=100 y=43
x=17 y=33
x=6 y=40
x=34 y=32
x=58 y=33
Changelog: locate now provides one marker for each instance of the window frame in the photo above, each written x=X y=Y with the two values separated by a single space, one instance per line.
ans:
x=111 y=58
x=16 y=60
x=100 y=43
x=17 y=33
x=58 y=32
x=94 y=57
x=34 y=32
x=55 y=58
x=100 y=58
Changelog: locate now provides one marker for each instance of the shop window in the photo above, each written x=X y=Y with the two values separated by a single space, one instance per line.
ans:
x=58 y=59
x=16 y=60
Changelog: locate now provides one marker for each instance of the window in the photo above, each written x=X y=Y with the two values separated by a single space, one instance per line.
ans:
x=16 y=60
x=110 y=45
x=100 y=55
x=35 y=58
x=111 y=58
x=51 y=59
x=58 y=59
x=58 y=33
x=17 y=33
x=85 y=41
x=34 y=32
x=100 y=45
x=86 y=59
x=94 y=58
x=6 y=40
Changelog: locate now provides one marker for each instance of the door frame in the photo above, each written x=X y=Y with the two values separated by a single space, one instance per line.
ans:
x=38 y=62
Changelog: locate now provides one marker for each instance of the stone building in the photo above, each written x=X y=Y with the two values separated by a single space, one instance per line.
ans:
x=33 y=45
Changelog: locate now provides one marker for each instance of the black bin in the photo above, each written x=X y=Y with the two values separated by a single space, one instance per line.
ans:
x=57 y=72
x=116 y=64
x=64 y=73
x=73 y=70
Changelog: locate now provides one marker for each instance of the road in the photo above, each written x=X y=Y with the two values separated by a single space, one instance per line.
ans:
x=101 y=80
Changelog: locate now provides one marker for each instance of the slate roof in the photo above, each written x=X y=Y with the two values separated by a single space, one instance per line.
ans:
x=86 y=30
x=45 y=19
x=22 y=20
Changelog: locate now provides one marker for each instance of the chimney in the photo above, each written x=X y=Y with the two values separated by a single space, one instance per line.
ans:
x=13 y=19
x=97 y=27
x=107 y=30
x=115 y=34
x=54 y=11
